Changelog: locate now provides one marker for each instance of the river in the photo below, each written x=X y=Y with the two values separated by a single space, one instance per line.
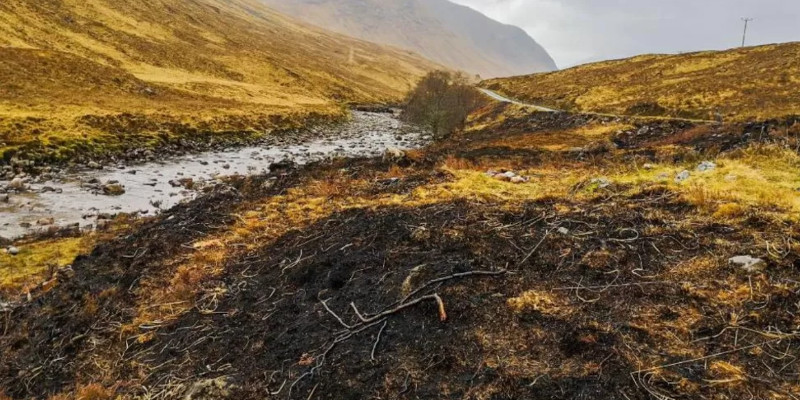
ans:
x=78 y=198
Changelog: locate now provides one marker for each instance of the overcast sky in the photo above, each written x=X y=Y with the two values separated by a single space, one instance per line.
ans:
x=579 y=31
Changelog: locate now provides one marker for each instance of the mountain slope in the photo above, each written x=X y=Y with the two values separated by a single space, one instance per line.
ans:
x=451 y=34
x=216 y=65
x=750 y=83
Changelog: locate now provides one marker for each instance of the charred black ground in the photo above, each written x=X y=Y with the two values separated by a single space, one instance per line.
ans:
x=625 y=294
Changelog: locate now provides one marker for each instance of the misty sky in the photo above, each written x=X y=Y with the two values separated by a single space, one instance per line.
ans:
x=579 y=31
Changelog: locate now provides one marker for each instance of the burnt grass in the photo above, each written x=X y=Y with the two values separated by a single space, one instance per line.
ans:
x=262 y=329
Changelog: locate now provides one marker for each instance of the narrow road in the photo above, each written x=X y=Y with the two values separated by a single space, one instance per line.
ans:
x=504 y=99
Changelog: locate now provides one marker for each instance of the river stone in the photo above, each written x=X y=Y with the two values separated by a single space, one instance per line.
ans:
x=113 y=190
x=93 y=165
x=46 y=221
x=4 y=198
x=748 y=263
x=17 y=184
x=393 y=154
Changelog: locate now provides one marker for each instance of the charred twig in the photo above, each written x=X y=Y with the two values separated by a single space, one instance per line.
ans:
x=325 y=304
x=605 y=287
x=450 y=277
x=403 y=306
x=715 y=355
x=546 y=233
x=377 y=340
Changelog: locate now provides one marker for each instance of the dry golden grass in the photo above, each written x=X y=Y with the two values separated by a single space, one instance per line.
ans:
x=39 y=258
x=750 y=83
x=658 y=295
x=209 y=65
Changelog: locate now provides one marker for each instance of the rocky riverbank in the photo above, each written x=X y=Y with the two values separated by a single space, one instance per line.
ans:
x=86 y=195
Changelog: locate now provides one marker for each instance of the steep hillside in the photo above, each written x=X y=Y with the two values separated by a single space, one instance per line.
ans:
x=750 y=83
x=451 y=34
x=176 y=66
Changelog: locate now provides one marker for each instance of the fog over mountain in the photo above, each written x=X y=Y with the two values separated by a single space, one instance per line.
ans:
x=580 y=31
x=451 y=34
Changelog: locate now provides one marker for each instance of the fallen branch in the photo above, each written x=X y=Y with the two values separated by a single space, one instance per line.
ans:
x=365 y=322
x=450 y=277
x=401 y=307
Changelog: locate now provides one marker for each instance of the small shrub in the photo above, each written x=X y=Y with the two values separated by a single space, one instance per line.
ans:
x=442 y=101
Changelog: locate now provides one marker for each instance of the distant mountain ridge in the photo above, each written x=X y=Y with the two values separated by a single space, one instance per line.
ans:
x=451 y=34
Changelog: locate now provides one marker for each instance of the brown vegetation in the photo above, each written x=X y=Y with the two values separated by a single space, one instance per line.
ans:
x=100 y=76
x=559 y=287
x=753 y=83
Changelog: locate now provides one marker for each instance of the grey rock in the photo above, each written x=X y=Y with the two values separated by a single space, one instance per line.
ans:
x=113 y=190
x=706 y=166
x=12 y=250
x=748 y=263
x=683 y=176
x=46 y=221
x=601 y=183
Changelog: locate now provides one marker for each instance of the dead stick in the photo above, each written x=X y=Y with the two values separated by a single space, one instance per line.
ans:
x=377 y=340
x=435 y=297
x=738 y=349
x=546 y=233
x=325 y=304
x=450 y=277
x=570 y=288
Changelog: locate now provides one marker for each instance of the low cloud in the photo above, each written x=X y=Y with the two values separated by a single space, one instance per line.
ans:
x=579 y=31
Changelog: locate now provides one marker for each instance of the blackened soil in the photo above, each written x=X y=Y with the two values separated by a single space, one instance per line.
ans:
x=617 y=302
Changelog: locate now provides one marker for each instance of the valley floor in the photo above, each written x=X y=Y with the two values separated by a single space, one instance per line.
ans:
x=536 y=255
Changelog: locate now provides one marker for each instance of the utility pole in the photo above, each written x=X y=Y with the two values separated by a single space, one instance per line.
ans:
x=746 y=21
